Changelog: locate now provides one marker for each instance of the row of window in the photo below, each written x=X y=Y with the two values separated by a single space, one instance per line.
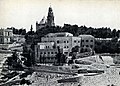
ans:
x=49 y=58
x=66 y=41
x=66 y=47
x=48 y=53
x=47 y=46
x=47 y=41
x=87 y=40
x=88 y=46
x=75 y=41
x=49 y=36
x=1 y=39
x=6 y=33
x=45 y=58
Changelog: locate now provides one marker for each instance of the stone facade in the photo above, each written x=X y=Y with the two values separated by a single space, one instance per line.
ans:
x=5 y=36
x=45 y=52
x=87 y=41
x=49 y=43
x=64 y=40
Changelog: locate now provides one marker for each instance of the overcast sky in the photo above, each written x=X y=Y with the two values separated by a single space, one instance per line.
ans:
x=94 y=13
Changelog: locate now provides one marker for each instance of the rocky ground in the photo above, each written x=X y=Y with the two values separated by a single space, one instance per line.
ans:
x=111 y=77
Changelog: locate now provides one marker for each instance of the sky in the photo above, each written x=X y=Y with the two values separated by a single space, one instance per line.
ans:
x=91 y=13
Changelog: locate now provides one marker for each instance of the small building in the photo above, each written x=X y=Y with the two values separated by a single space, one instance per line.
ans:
x=45 y=52
x=5 y=36
x=87 y=41
x=18 y=38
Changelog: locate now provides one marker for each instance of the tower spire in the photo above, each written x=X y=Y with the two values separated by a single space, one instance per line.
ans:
x=50 y=17
x=31 y=28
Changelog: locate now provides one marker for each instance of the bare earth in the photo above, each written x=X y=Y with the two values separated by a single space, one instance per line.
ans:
x=111 y=76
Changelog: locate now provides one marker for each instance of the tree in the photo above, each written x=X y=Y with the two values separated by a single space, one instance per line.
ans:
x=22 y=31
x=28 y=54
x=14 y=61
x=60 y=57
x=114 y=33
x=75 y=49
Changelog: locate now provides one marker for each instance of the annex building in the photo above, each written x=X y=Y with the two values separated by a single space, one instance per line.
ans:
x=5 y=36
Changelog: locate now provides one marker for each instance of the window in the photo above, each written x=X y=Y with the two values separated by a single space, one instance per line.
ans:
x=91 y=40
x=37 y=49
x=86 y=40
x=1 y=40
x=67 y=41
x=48 y=52
x=58 y=46
x=82 y=40
x=55 y=52
x=75 y=41
x=58 y=41
x=37 y=52
x=48 y=58
x=64 y=41
x=65 y=52
x=83 y=46
x=91 y=46
x=44 y=52
x=47 y=46
x=87 y=46
x=64 y=46
x=7 y=39
x=78 y=41
x=67 y=47
x=51 y=52
x=8 y=33
x=41 y=53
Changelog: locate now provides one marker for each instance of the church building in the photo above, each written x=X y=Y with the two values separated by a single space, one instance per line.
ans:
x=46 y=22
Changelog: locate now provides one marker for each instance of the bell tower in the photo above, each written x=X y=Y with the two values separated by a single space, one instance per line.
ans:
x=50 y=18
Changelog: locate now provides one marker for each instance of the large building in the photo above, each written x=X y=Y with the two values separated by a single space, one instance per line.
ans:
x=49 y=43
x=5 y=36
x=63 y=40
x=46 y=22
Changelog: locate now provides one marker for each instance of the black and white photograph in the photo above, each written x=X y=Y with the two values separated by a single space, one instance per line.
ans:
x=59 y=42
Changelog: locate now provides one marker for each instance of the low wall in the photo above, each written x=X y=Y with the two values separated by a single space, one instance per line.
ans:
x=5 y=46
x=54 y=68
